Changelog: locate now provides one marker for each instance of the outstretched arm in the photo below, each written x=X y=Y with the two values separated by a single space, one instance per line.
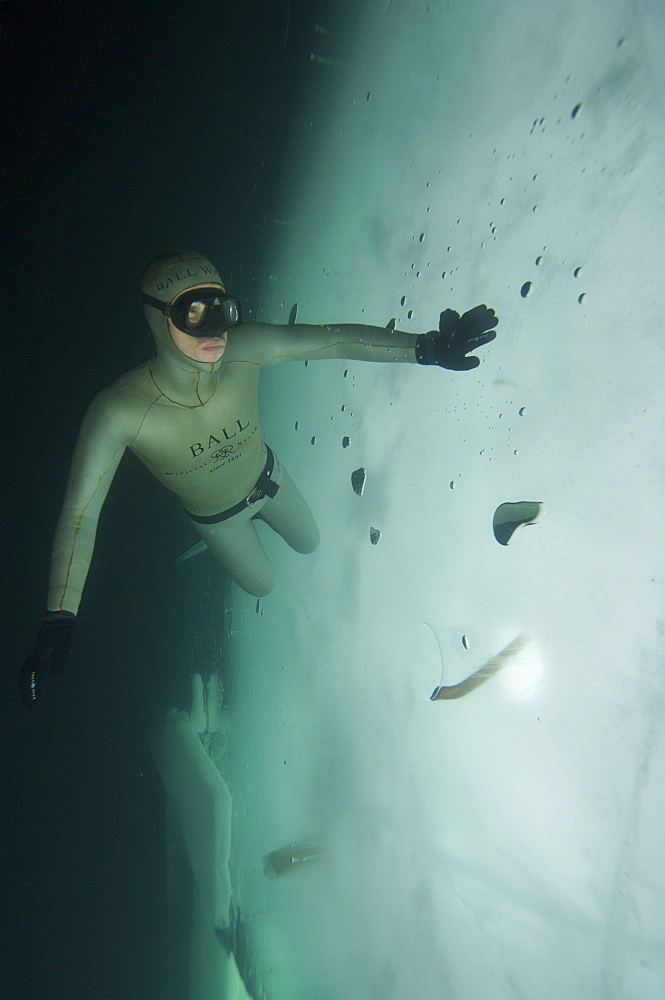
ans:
x=272 y=345
x=446 y=347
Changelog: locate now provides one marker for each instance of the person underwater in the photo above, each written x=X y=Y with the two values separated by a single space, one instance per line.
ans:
x=191 y=415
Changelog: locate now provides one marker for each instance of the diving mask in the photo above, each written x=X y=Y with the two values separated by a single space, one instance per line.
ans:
x=200 y=312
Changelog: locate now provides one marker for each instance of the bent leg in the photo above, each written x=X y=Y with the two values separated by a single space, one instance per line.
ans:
x=235 y=544
x=289 y=515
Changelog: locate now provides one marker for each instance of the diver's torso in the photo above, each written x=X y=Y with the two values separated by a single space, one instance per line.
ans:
x=210 y=455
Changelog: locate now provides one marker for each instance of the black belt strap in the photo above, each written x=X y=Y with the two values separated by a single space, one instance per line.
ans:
x=264 y=487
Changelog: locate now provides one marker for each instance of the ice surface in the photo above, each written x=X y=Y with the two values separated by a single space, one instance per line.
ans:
x=508 y=844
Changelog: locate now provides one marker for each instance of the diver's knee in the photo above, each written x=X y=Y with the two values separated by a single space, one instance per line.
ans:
x=312 y=547
x=311 y=544
x=258 y=587
x=263 y=590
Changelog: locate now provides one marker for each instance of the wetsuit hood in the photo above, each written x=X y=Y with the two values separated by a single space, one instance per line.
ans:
x=181 y=379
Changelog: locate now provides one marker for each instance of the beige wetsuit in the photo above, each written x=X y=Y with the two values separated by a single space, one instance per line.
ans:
x=195 y=425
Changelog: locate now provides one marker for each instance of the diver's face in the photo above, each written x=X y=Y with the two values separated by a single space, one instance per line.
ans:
x=198 y=348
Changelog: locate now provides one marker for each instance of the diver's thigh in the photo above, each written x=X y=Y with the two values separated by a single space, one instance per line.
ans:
x=236 y=545
x=289 y=515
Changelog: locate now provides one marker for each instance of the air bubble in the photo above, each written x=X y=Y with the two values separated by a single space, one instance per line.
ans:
x=577 y=272
x=313 y=441
x=525 y=289
x=422 y=237
x=409 y=315
x=358 y=481
x=465 y=641
x=402 y=300
x=510 y=517
x=581 y=298
x=374 y=535
x=452 y=484
x=521 y=411
x=539 y=261
x=576 y=110
x=297 y=424
x=346 y=441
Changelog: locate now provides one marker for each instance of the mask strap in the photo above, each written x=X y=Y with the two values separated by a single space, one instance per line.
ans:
x=164 y=307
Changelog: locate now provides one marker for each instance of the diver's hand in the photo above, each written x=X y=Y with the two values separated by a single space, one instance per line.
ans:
x=456 y=336
x=48 y=656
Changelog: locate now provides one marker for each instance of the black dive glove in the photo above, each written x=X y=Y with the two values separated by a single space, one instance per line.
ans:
x=48 y=656
x=456 y=336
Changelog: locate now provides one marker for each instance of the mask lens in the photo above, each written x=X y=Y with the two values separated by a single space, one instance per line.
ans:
x=205 y=312
x=197 y=314
x=231 y=311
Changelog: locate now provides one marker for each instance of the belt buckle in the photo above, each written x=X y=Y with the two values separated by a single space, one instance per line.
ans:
x=254 y=497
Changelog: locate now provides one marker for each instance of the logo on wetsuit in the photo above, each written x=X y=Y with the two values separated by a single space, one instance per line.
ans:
x=198 y=448
x=209 y=272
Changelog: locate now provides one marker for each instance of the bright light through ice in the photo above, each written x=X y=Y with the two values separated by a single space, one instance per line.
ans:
x=523 y=677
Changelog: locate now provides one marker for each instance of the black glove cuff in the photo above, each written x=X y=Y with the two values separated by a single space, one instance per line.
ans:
x=54 y=642
x=425 y=350
x=61 y=626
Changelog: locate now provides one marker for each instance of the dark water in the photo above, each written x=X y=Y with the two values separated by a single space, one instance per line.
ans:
x=129 y=129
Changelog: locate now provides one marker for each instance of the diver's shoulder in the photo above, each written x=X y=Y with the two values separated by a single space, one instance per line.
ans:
x=124 y=401
x=250 y=341
x=250 y=332
x=134 y=383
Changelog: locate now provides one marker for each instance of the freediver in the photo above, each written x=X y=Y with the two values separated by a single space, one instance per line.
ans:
x=191 y=415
